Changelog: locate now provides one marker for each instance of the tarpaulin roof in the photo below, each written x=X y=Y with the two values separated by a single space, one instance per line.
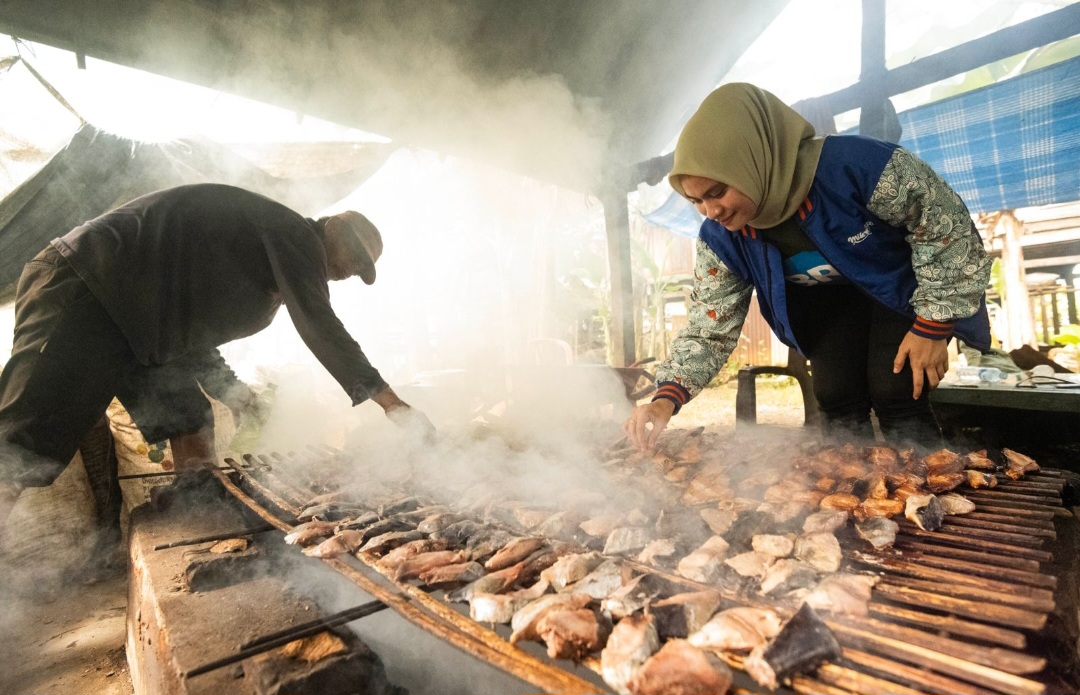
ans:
x=1008 y=145
x=97 y=171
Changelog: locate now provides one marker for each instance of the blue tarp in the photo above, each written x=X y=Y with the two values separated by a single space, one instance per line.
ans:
x=676 y=215
x=1009 y=145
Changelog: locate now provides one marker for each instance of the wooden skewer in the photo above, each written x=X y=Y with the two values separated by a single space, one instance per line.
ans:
x=942 y=663
x=1025 y=540
x=999 y=526
x=1018 y=522
x=1043 y=581
x=991 y=613
x=966 y=541
x=1019 y=593
x=862 y=683
x=1014 y=512
x=988 y=493
x=1032 y=486
x=915 y=548
x=951 y=624
x=1006 y=660
x=262 y=489
x=927 y=680
x=1036 y=604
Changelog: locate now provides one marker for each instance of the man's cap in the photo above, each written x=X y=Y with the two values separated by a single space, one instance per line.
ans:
x=365 y=242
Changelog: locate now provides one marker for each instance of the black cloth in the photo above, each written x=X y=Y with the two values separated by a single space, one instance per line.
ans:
x=851 y=342
x=189 y=268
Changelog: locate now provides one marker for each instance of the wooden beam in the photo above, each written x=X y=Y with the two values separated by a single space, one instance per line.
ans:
x=874 y=110
x=1050 y=27
x=617 y=222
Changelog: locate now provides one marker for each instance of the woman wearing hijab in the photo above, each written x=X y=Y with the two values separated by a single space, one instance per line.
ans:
x=863 y=258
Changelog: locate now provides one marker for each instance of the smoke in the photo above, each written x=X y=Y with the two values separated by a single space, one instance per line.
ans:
x=405 y=69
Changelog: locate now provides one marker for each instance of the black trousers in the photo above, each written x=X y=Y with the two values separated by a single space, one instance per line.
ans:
x=851 y=342
x=69 y=359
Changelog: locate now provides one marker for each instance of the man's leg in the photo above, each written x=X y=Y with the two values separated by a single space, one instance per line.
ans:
x=66 y=359
x=167 y=403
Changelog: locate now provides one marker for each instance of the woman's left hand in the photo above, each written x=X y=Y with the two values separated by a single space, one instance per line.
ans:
x=926 y=356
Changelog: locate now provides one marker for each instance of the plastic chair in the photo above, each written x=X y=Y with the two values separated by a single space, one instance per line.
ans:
x=798 y=367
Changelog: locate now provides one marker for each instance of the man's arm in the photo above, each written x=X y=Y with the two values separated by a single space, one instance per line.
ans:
x=404 y=415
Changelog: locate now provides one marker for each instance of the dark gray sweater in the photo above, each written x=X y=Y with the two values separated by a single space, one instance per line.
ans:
x=190 y=268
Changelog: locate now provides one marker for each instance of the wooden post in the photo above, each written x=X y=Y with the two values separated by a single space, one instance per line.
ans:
x=872 y=117
x=617 y=222
x=1020 y=327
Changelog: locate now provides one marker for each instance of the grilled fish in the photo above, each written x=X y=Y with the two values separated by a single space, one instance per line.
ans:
x=398 y=555
x=820 y=550
x=925 y=511
x=803 y=644
x=633 y=640
x=681 y=614
x=573 y=633
x=738 y=629
x=413 y=567
x=310 y=531
x=680 y=668
x=525 y=621
x=513 y=552
x=706 y=563
x=338 y=544
x=843 y=593
x=878 y=531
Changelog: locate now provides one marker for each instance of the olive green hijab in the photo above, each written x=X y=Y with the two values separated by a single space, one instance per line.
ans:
x=746 y=138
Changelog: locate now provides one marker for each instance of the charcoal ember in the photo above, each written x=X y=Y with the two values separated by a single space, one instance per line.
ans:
x=804 y=643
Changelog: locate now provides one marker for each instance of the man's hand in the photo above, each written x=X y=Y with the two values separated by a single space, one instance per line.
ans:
x=926 y=356
x=657 y=414
x=405 y=416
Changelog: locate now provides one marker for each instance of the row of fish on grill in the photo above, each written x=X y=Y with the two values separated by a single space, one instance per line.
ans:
x=703 y=558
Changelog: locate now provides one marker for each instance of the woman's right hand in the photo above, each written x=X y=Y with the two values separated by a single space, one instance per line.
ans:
x=655 y=414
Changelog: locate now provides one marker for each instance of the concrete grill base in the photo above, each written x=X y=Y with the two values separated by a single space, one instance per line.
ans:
x=172 y=629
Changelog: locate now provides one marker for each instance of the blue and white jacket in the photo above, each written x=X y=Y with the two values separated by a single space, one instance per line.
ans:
x=883 y=219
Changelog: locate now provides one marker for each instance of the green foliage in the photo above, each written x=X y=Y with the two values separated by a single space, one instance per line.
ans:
x=1069 y=335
